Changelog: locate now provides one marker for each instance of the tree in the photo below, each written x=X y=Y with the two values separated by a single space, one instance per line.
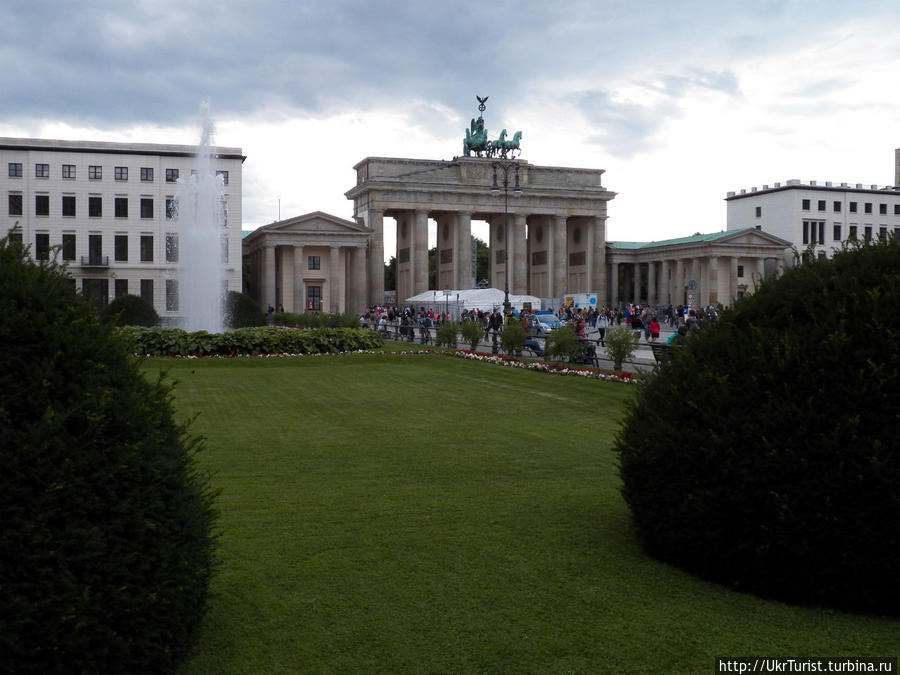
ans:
x=131 y=310
x=482 y=260
x=106 y=550
x=763 y=455
x=390 y=275
x=242 y=311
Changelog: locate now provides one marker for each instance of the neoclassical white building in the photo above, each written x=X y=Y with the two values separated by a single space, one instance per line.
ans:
x=311 y=263
x=819 y=216
x=106 y=210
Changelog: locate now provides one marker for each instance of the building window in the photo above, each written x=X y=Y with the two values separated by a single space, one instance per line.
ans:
x=224 y=249
x=171 y=209
x=868 y=207
x=836 y=234
x=121 y=287
x=15 y=238
x=171 y=295
x=120 y=173
x=813 y=232
x=15 y=169
x=758 y=211
x=42 y=205
x=882 y=233
x=171 y=175
x=897 y=209
x=68 y=205
x=147 y=174
x=806 y=205
x=120 y=246
x=224 y=175
x=121 y=207
x=68 y=247
x=313 y=262
x=146 y=208
x=95 y=206
x=68 y=171
x=852 y=207
x=740 y=271
x=146 y=248
x=837 y=207
x=171 y=248
x=95 y=172
x=42 y=171
x=897 y=233
x=851 y=232
x=868 y=233
x=313 y=298
x=15 y=205
x=882 y=209
x=147 y=290
x=42 y=246
x=821 y=205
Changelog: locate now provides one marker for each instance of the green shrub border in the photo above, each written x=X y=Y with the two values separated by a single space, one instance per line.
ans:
x=249 y=341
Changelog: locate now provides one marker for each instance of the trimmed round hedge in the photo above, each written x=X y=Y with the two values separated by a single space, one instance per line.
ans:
x=107 y=546
x=131 y=310
x=764 y=454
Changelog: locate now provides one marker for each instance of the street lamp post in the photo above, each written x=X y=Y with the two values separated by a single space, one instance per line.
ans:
x=505 y=167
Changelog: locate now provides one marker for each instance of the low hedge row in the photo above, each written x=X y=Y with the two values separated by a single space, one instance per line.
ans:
x=248 y=341
x=313 y=320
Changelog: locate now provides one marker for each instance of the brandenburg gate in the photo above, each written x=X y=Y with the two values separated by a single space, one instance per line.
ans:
x=557 y=227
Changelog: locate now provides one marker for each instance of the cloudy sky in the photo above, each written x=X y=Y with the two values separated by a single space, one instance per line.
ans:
x=678 y=102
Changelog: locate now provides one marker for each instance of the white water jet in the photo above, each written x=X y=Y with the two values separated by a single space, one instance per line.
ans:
x=200 y=222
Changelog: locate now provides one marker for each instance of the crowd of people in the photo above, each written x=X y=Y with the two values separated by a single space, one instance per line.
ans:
x=648 y=321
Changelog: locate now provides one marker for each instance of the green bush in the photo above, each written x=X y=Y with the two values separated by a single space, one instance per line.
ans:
x=106 y=549
x=472 y=333
x=447 y=334
x=620 y=344
x=513 y=337
x=315 y=320
x=249 y=341
x=131 y=310
x=764 y=455
x=242 y=311
x=562 y=344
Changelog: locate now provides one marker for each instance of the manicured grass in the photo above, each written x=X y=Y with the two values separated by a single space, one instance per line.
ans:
x=421 y=513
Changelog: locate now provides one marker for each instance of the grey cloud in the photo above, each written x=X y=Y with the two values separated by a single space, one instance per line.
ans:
x=623 y=128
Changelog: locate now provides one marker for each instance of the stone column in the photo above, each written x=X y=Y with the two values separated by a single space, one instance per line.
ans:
x=707 y=265
x=519 y=263
x=559 y=267
x=376 y=258
x=598 y=264
x=420 y=252
x=356 y=301
x=268 y=275
x=733 y=281
x=678 y=283
x=614 y=284
x=462 y=256
x=334 y=280
x=760 y=273
x=299 y=289
x=723 y=281
x=651 y=284
x=665 y=284
x=636 y=291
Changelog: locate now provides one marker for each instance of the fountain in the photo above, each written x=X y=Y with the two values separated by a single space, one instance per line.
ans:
x=200 y=222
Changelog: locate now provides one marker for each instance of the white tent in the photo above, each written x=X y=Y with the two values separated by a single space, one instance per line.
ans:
x=485 y=299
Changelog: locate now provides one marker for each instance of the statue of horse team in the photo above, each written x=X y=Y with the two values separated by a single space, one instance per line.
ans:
x=476 y=141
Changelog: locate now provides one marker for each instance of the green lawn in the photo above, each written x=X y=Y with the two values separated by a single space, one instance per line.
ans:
x=420 y=513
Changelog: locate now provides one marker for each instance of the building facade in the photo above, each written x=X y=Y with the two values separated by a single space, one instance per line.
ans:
x=311 y=263
x=817 y=217
x=107 y=210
